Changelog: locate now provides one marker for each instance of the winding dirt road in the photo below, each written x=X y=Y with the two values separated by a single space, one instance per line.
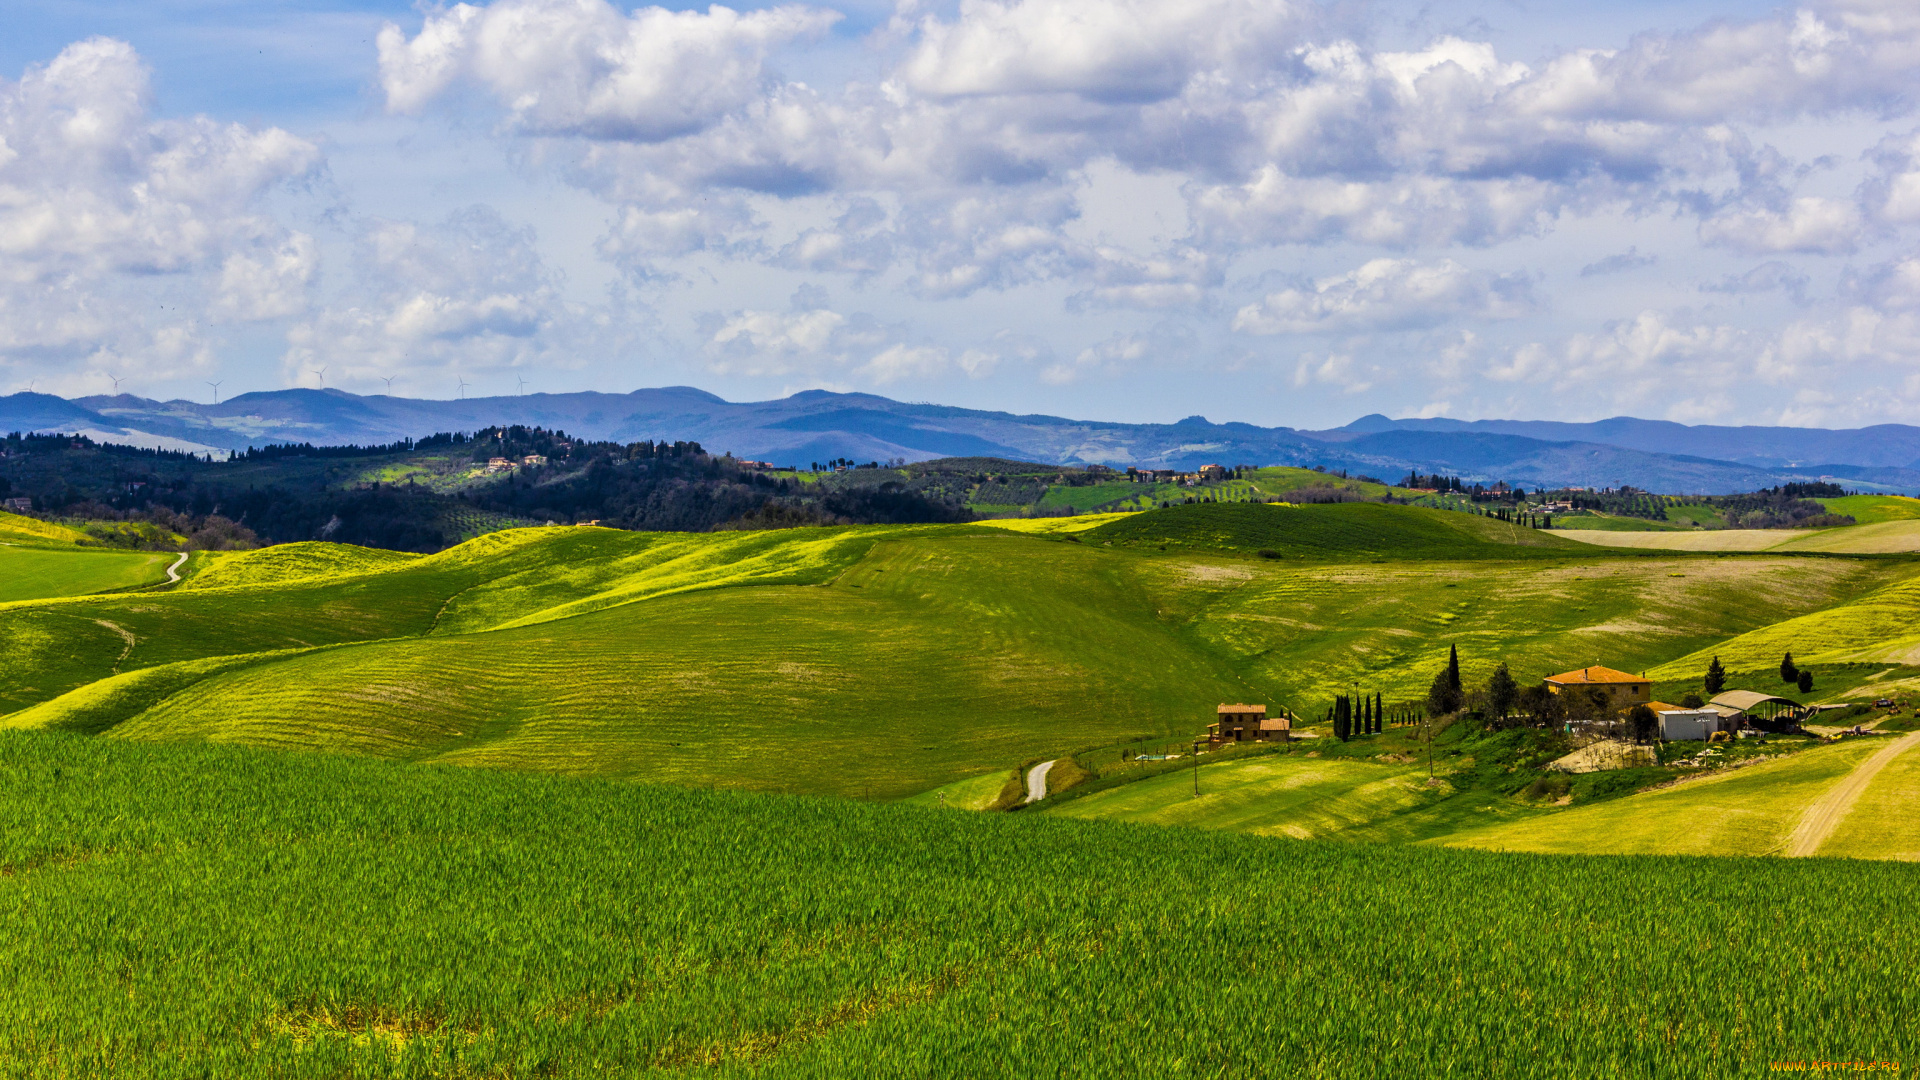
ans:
x=1824 y=816
x=173 y=572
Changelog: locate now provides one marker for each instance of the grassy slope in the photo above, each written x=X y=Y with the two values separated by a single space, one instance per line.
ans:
x=1885 y=822
x=41 y=573
x=17 y=529
x=934 y=654
x=1012 y=647
x=285 y=563
x=1872 y=509
x=1748 y=811
x=1878 y=538
x=1338 y=531
x=1882 y=626
x=245 y=915
x=1277 y=795
x=1704 y=540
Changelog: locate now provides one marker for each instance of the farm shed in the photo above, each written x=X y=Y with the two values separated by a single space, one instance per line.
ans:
x=1679 y=725
x=1627 y=690
x=1751 y=705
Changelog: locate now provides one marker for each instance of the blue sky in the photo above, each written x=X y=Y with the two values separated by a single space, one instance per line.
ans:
x=1271 y=212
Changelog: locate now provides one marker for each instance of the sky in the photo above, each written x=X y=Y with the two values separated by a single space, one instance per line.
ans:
x=1282 y=213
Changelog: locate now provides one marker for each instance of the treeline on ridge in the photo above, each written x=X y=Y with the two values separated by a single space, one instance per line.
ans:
x=490 y=478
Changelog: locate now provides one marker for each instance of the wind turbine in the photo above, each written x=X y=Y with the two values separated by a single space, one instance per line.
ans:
x=463 y=387
x=117 y=380
x=388 y=379
x=216 y=391
x=523 y=383
x=321 y=375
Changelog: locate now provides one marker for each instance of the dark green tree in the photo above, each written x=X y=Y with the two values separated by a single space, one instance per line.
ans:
x=1502 y=692
x=1379 y=718
x=1805 y=680
x=1453 y=668
x=1789 y=673
x=1342 y=718
x=1716 y=677
x=1442 y=698
x=1643 y=724
x=1691 y=701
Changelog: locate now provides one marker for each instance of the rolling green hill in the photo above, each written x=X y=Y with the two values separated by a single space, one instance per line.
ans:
x=1749 y=811
x=1881 y=626
x=1336 y=532
x=871 y=661
x=32 y=573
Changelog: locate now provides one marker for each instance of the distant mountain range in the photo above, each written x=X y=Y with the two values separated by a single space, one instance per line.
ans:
x=817 y=426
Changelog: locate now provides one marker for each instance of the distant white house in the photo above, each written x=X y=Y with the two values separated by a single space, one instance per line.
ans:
x=1680 y=725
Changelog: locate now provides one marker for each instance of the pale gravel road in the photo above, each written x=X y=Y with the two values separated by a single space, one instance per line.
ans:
x=1825 y=815
x=1037 y=781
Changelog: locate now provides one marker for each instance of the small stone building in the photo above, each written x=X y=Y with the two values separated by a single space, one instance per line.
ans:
x=1246 y=723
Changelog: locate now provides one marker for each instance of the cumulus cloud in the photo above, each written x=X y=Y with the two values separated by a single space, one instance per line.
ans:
x=1390 y=294
x=469 y=296
x=1809 y=224
x=583 y=67
x=122 y=236
x=825 y=344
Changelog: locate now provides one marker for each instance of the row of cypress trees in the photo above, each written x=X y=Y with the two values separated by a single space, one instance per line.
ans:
x=1367 y=719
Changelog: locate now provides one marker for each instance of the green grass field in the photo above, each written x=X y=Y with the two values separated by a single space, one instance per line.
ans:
x=28 y=573
x=193 y=911
x=16 y=529
x=1278 y=795
x=1749 y=811
x=1882 y=626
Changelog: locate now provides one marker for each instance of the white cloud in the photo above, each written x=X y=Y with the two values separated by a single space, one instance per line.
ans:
x=1124 y=50
x=1808 y=225
x=824 y=344
x=468 y=297
x=1390 y=294
x=123 y=235
x=582 y=67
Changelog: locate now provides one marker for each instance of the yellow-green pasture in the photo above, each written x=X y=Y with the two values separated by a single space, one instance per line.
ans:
x=284 y=563
x=1885 y=821
x=1746 y=811
x=31 y=573
x=18 y=529
x=1697 y=540
x=1870 y=509
x=1277 y=795
x=1882 y=626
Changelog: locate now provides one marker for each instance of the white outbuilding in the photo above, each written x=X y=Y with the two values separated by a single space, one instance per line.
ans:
x=1678 y=725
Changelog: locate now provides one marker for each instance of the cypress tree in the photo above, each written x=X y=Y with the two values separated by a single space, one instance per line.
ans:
x=1453 y=667
x=1716 y=680
x=1379 y=721
x=1789 y=673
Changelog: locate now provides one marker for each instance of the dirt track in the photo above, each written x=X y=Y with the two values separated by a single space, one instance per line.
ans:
x=1824 y=816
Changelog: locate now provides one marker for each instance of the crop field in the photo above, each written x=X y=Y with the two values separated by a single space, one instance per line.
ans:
x=1878 y=538
x=192 y=911
x=41 y=573
x=1749 y=811
x=1677 y=540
